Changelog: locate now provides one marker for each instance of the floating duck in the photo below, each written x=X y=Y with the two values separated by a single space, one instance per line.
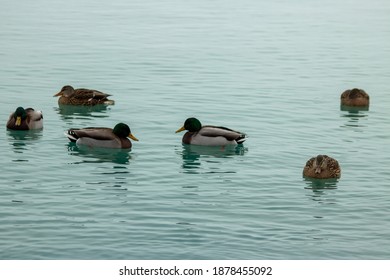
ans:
x=209 y=135
x=25 y=119
x=82 y=96
x=322 y=167
x=355 y=97
x=103 y=137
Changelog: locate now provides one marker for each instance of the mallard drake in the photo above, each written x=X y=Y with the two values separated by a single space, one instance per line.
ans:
x=322 y=167
x=25 y=119
x=102 y=136
x=209 y=135
x=82 y=96
x=355 y=97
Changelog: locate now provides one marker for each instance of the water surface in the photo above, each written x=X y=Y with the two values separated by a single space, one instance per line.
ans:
x=274 y=70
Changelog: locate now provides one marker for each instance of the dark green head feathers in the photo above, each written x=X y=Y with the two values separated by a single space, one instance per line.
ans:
x=20 y=112
x=192 y=124
x=122 y=130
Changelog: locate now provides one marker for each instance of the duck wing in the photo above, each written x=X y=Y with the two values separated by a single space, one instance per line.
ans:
x=334 y=167
x=34 y=115
x=98 y=133
x=216 y=131
x=310 y=162
x=83 y=93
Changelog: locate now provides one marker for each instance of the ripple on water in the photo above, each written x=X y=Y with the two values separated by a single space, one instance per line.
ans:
x=273 y=72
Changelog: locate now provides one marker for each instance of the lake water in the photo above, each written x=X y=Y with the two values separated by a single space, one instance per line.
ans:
x=272 y=69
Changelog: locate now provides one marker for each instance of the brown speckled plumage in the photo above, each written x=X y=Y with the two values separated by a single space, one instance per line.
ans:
x=82 y=96
x=355 y=97
x=322 y=167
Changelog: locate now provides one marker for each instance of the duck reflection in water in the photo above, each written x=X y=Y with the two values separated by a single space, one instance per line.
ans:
x=320 y=184
x=193 y=154
x=322 y=190
x=99 y=155
x=21 y=139
x=353 y=115
x=68 y=112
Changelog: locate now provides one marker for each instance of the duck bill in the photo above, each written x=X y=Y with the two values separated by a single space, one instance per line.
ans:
x=131 y=136
x=317 y=170
x=18 y=121
x=180 y=129
x=57 y=94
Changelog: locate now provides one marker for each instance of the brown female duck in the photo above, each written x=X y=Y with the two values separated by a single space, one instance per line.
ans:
x=322 y=167
x=355 y=97
x=82 y=96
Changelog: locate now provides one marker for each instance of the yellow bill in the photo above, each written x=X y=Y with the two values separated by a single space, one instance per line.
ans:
x=18 y=121
x=180 y=129
x=131 y=136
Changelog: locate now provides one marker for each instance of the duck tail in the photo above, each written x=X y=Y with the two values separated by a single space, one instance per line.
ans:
x=109 y=102
x=241 y=139
x=71 y=135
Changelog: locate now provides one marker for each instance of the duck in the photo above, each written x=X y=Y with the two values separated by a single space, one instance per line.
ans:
x=103 y=137
x=82 y=96
x=355 y=97
x=25 y=119
x=322 y=167
x=209 y=135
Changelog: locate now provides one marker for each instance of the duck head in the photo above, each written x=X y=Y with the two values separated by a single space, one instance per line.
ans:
x=123 y=130
x=320 y=163
x=65 y=91
x=191 y=124
x=355 y=93
x=20 y=115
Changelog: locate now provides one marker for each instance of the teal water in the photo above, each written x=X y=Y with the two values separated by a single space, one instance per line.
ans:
x=272 y=69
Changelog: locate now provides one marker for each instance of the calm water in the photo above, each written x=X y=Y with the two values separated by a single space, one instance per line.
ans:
x=272 y=69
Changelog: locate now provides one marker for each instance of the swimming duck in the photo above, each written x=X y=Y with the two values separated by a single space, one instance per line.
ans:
x=355 y=97
x=322 y=167
x=102 y=136
x=209 y=135
x=25 y=119
x=82 y=96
